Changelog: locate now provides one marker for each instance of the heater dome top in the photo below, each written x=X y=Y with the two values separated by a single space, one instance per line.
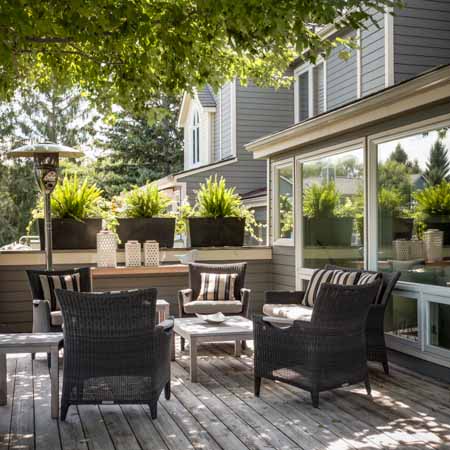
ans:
x=44 y=148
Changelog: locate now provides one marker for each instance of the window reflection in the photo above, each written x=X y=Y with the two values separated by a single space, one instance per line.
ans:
x=414 y=207
x=285 y=182
x=333 y=207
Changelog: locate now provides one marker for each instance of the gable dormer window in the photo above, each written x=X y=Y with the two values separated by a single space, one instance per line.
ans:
x=195 y=139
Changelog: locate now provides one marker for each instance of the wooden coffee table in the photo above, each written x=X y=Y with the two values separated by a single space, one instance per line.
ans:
x=197 y=331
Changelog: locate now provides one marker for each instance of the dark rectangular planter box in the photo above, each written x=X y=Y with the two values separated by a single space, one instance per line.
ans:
x=328 y=231
x=70 y=234
x=441 y=223
x=392 y=228
x=160 y=229
x=221 y=232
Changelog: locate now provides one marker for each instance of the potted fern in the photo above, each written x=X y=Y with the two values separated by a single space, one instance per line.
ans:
x=76 y=215
x=219 y=219
x=323 y=224
x=433 y=208
x=143 y=215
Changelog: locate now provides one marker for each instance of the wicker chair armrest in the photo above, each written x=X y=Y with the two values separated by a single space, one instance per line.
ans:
x=283 y=297
x=245 y=299
x=166 y=325
x=41 y=316
x=184 y=296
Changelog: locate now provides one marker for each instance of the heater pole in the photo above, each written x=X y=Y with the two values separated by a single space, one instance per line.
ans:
x=48 y=231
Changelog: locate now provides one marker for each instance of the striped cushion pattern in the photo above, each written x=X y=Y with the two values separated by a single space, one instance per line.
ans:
x=217 y=286
x=321 y=276
x=367 y=278
x=318 y=277
x=51 y=282
x=344 y=278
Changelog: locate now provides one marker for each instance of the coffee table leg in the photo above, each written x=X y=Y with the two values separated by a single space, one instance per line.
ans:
x=172 y=351
x=54 y=378
x=193 y=358
x=237 y=348
x=3 y=382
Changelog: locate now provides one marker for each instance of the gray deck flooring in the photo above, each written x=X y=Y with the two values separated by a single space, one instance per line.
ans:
x=406 y=411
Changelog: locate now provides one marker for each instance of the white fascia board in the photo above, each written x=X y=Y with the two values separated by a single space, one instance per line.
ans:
x=419 y=92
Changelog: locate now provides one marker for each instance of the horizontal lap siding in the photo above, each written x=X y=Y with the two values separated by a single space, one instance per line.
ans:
x=217 y=129
x=341 y=78
x=283 y=267
x=372 y=56
x=421 y=37
x=225 y=125
x=16 y=313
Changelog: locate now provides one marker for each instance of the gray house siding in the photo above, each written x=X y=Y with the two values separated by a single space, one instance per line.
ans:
x=217 y=129
x=421 y=37
x=283 y=268
x=341 y=78
x=372 y=56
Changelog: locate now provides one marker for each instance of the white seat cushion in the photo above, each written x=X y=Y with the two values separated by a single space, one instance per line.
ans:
x=292 y=312
x=56 y=318
x=213 y=306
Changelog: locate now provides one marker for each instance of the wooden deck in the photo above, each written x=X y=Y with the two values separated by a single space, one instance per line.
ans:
x=406 y=412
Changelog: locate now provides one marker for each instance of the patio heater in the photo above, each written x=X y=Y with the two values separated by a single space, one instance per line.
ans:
x=46 y=164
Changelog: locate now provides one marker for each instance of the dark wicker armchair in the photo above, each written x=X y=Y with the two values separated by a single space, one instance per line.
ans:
x=46 y=316
x=376 y=345
x=325 y=353
x=113 y=349
x=188 y=305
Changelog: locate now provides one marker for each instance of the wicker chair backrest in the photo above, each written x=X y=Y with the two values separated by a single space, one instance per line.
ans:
x=195 y=280
x=108 y=315
x=389 y=280
x=36 y=286
x=343 y=307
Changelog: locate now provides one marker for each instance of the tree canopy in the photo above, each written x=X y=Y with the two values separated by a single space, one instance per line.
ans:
x=127 y=51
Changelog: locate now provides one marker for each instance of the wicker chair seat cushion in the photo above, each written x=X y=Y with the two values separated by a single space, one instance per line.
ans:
x=217 y=286
x=321 y=276
x=292 y=312
x=69 y=282
x=56 y=318
x=213 y=306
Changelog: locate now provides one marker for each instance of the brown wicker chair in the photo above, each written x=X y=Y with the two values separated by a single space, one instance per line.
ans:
x=325 y=353
x=113 y=349
x=188 y=306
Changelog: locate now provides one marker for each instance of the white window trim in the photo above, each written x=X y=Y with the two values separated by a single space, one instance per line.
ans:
x=388 y=47
x=192 y=162
x=276 y=167
x=311 y=88
x=304 y=273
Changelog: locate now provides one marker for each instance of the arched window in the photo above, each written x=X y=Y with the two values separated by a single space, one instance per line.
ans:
x=195 y=138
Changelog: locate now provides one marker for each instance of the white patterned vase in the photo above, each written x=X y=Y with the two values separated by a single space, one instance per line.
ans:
x=434 y=240
x=133 y=254
x=151 y=253
x=106 y=249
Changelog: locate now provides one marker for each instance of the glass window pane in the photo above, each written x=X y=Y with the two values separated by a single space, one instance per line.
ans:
x=319 y=91
x=414 y=207
x=285 y=180
x=333 y=208
x=303 y=92
x=400 y=319
x=440 y=325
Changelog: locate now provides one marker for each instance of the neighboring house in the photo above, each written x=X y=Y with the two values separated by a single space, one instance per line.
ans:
x=216 y=127
x=394 y=89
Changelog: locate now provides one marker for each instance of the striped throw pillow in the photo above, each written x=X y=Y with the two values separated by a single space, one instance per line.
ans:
x=319 y=277
x=367 y=278
x=217 y=286
x=51 y=282
x=344 y=278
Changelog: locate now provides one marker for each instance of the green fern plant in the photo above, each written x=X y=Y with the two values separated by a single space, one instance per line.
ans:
x=73 y=199
x=146 y=202
x=434 y=200
x=321 y=200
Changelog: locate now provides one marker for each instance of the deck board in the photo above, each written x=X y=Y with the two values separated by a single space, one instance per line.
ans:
x=406 y=412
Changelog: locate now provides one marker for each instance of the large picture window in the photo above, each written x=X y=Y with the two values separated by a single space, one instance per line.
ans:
x=413 y=199
x=333 y=210
x=284 y=204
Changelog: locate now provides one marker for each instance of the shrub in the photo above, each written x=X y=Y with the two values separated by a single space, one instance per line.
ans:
x=320 y=200
x=434 y=200
x=146 y=202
